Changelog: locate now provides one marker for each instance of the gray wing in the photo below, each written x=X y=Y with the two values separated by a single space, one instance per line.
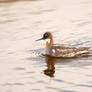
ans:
x=62 y=50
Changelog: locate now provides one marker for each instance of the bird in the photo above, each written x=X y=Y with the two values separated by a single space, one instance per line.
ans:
x=62 y=50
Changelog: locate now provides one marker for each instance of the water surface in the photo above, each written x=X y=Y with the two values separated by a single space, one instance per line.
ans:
x=22 y=67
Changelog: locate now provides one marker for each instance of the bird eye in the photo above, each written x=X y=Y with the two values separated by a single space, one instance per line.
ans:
x=46 y=35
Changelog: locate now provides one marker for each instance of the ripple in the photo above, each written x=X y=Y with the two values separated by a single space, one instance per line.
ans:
x=8 y=1
x=35 y=51
x=84 y=23
x=85 y=85
x=33 y=58
x=36 y=89
x=82 y=43
x=9 y=91
x=53 y=88
x=30 y=72
x=67 y=91
x=7 y=21
x=89 y=75
x=41 y=81
x=19 y=68
x=58 y=80
x=13 y=84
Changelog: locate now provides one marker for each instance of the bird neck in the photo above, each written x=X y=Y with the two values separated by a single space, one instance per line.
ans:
x=49 y=42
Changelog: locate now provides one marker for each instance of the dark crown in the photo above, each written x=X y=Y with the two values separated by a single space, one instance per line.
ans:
x=46 y=35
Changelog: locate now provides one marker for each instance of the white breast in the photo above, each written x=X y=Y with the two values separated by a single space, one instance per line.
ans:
x=48 y=40
x=53 y=50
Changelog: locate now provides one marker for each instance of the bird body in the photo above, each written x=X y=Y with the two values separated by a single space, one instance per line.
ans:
x=62 y=50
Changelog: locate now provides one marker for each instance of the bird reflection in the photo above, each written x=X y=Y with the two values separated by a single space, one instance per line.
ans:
x=50 y=66
x=50 y=70
x=50 y=61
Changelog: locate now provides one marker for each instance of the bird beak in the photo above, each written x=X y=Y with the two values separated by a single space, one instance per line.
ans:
x=39 y=39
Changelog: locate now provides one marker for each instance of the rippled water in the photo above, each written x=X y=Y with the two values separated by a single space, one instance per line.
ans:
x=22 y=67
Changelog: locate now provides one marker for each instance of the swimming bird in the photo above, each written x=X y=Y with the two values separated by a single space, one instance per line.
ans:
x=62 y=50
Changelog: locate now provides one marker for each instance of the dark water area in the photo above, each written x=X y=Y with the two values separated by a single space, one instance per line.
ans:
x=23 y=68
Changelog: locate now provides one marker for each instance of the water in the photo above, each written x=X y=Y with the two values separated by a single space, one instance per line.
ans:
x=22 y=67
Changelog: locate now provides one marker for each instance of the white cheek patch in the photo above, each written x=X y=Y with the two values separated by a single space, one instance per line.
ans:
x=53 y=50
x=48 y=40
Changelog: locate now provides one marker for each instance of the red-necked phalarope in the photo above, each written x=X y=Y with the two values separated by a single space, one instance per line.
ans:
x=62 y=50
